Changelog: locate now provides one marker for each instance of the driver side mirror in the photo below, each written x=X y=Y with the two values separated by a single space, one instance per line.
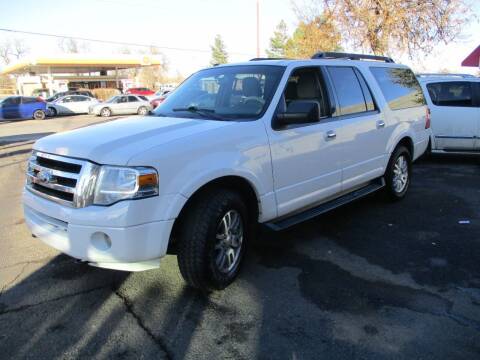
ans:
x=299 y=112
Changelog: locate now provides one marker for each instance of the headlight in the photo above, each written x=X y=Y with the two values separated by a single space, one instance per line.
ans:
x=116 y=183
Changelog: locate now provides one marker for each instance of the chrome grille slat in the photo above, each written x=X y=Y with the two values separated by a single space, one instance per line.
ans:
x=58 y=173
x=59 y=178
x=53 y=186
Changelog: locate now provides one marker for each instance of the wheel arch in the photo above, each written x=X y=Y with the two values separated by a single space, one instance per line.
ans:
x=233 y=182
x=408 y=143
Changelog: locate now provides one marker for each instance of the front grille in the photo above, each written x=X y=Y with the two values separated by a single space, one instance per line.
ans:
x=55 y=177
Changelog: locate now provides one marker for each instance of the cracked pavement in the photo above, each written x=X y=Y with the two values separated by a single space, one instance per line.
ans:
x=372 y=280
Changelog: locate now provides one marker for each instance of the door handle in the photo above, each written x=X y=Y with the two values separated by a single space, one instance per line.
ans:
x=380 y=124
x=331 y=134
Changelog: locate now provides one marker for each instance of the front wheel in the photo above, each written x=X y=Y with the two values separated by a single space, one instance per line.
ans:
x=142 y=110
x=39 y=114
x=398 y=173
x=53 y=111
x=105 y=112
x=212 y=240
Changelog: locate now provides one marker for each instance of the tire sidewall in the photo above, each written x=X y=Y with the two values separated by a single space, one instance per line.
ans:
x=219 y=280
x=42 y=114
x=399 y=151
x=142 y=110
x=107 y=113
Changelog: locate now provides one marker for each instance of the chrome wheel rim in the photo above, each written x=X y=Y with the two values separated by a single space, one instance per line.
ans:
x=229 y=240
x=105 y=112
x=400 y=174
x=142 y=111
x=38 y=115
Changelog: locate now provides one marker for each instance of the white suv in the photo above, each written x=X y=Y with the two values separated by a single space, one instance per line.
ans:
x=266 y=141
x=454 y=101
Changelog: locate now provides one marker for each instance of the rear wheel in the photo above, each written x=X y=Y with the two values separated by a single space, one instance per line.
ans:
x=39 y=114
x=142 y=110
x=212 y=240
x=105 y=112
x=398 y=173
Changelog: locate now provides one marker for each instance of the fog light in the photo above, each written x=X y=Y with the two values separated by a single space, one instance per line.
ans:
x=101 y=241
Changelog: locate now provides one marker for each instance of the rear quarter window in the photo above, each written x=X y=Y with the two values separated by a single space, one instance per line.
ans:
x=454 y=93
x=399 y=86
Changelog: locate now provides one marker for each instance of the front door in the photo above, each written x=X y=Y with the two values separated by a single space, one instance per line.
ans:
x=305 y=157
x=454 y=115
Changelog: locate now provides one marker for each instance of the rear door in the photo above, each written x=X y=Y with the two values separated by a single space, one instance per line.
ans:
x=360 y=127
x=454 y=114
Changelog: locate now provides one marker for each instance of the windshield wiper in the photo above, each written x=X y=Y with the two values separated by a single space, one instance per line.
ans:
x=207 y=113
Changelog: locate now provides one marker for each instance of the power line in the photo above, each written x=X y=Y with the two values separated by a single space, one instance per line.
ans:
x=113 y=41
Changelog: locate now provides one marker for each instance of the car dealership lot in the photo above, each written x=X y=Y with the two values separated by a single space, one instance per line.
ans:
x=370 y=280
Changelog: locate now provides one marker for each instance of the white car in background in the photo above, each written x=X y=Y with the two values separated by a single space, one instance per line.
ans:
x=121 y=105
x=454 y=102
x=71 y=104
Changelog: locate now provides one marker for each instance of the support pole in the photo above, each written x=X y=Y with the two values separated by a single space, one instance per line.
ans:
x=116 y=77
x=50 y=81
x=258 y=28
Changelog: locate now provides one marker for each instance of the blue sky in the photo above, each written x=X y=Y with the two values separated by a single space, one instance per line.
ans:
x=182 y=24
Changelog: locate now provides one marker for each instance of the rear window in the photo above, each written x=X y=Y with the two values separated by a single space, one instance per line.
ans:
x=349 y=91
x=399 y=86
x=455 y=93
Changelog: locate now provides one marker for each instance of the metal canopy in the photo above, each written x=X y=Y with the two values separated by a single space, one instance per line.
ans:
x=77 y=64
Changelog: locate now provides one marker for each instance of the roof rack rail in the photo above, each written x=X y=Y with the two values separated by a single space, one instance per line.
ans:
x=266 y=58
x=340 y=55
x=446 y=75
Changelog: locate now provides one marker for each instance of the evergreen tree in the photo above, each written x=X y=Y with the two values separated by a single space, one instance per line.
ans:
x=278 y=42
x=219 y=52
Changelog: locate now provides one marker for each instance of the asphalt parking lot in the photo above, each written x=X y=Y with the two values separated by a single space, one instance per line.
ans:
x=372 y=280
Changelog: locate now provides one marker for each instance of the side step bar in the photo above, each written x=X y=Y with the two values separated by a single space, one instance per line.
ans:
x=289 y=221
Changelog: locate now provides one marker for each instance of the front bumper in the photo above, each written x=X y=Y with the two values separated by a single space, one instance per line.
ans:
x=109 y=241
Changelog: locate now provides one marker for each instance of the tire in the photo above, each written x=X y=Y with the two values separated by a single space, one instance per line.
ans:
x=106 y=112
x=398 y=174
x=53 y=111
x=142 y=110
x=207 y=256
x=39 y=115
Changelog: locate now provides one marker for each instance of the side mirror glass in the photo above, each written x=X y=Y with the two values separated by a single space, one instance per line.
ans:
x=299 y=112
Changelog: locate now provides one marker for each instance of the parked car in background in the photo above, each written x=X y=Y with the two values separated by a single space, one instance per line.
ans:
x=267 y=141
x=70 y=92
x=122 y=104
x=454 y=102
x=158 y=100
x=140 y=91
x=23 y=107
x=71 y=104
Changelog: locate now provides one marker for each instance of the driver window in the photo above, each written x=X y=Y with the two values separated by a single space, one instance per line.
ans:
x=304 y=84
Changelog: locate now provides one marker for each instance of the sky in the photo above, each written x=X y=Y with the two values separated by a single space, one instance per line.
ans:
x=189 y=24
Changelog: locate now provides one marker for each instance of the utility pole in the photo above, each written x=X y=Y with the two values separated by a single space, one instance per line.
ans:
x=258 y=28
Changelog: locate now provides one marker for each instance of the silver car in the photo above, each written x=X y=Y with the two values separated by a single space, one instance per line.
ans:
x=121 y=105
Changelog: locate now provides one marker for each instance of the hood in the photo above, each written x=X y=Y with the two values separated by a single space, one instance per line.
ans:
x=115 y=142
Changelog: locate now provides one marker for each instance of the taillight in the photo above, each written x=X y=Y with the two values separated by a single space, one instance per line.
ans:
x=427 y=118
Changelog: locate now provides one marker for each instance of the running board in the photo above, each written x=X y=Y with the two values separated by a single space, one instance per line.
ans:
x=287 y=222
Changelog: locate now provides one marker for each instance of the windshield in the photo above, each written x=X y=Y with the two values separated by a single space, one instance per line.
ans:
x=112 y=99
x=222 y=93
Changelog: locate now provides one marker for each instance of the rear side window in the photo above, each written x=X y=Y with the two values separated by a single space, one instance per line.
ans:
x=348 y=89
x=399 y=86
x=455 y=93
x=132 y=99
x=29 y=100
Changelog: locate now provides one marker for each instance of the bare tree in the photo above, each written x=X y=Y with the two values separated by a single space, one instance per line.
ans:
x=12 y=49
x=73 y=46
x=383 y=26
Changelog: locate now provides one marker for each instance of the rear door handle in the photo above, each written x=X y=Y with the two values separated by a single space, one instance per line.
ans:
x=380 y=124
x=331 y=134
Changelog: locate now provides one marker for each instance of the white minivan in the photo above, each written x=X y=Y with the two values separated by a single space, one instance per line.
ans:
x=454 y=102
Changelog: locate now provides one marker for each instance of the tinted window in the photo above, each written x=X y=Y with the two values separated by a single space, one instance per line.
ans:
x=366 y=92
x=29 y=100
x=79 y=98
x=143 y=98
x=132 y=99
x=399 y=86
x=458 y=93
x=11 y=101
x=348 y=90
